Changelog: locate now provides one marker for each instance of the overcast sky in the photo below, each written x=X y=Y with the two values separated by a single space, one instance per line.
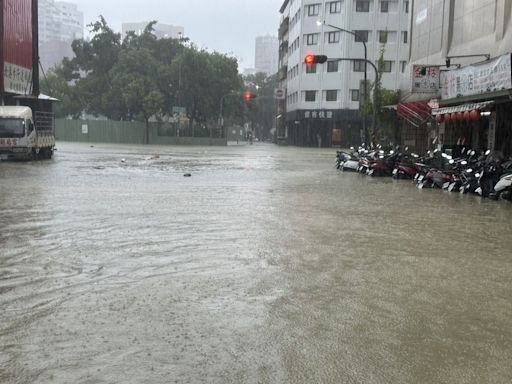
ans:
x=227 y=26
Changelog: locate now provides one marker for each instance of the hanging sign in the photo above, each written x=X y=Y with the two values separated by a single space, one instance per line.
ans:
x=491 y=76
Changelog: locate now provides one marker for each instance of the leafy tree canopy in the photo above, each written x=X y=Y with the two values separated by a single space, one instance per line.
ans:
x=140 y=77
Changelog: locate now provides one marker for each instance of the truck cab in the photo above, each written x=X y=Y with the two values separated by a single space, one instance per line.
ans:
x=25 y=135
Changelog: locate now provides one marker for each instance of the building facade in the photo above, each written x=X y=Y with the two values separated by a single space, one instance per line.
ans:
x=161 y=31
x=266 y=54
x=457 y=88
x=59 y=24
x=323 y=100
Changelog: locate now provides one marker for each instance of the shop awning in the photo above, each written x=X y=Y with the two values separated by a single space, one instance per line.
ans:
x=462 y=108
x=416 y=113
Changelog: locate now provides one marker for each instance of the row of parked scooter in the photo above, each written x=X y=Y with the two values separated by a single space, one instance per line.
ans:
x=458 y=169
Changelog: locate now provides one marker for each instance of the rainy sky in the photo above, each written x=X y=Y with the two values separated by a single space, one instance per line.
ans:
x=227 y=26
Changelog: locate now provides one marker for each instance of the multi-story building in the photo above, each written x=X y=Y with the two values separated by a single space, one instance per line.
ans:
x=266 y=54
x=457 y=89
x=60 y=20
x=323 y=100
x=161 y=31
x=59 y=24
x=282 y=74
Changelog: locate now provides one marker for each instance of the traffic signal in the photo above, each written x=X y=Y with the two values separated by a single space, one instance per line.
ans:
x=314 y=59
x=248 y=96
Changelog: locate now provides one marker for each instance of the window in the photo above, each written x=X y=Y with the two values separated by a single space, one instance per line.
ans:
x=404 y=34
x=406 y=6
x=312 y=39
x=384 y=6
x=310 y=96
x=361 y=36
x=359 y=65
x=311 y=68
x=335 y=7
x=388 y=66
x=354 y=94
x=403 y=64
x=331 y=95
x=362 y=6
x=333 y=37
x=313 y=9
x=332 y=66
x=383 y=37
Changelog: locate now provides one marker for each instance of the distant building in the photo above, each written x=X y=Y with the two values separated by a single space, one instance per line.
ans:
x=266 y=54
x=161 y=31
x=60 y=20
x=249 y=71
x=59 y=24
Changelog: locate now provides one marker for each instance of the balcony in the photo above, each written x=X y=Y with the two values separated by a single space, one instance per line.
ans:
x=283 y=72
x=284 y=27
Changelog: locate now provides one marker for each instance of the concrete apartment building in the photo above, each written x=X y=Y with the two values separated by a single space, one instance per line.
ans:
x=59 y=24
x=322 y=103
x=161 y=31
x=266 y=54
x=468 y=102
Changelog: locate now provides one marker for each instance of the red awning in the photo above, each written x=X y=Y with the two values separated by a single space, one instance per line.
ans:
x=416 y=113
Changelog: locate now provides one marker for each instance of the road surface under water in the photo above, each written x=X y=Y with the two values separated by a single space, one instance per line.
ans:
x=265 y=266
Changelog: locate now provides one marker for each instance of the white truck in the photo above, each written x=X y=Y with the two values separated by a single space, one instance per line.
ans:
x=25 y=135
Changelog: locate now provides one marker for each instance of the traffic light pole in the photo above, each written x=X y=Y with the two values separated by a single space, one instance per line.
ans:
x=375 y=91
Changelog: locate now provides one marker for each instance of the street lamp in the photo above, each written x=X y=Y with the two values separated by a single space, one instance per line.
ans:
x=320 y=23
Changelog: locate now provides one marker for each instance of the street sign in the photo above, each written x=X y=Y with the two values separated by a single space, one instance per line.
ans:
x=280 y=93
x=180 y=111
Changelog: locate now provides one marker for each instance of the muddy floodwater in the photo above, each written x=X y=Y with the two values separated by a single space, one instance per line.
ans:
x=265 y=266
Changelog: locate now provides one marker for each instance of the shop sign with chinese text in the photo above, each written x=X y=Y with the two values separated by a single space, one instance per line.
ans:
x=318 y=114
x=490 y=76
x=425 y=78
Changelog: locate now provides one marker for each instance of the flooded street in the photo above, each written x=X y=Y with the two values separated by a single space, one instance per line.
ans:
x=265 y=266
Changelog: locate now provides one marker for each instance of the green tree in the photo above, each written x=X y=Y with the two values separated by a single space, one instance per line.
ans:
x=263 y=109
x=55 y=84
x=384 y=119
x=142 y=77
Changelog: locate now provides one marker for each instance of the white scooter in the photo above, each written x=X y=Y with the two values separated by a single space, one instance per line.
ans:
x=504 y=187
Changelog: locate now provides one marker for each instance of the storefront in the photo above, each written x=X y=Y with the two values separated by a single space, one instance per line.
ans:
x=476 y=106
x=324 y=128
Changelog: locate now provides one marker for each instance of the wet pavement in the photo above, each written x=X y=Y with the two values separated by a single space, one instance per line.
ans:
x=265 y=266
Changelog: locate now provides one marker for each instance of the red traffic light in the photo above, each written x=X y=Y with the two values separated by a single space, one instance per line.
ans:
x=248 y=96
x=313 y=59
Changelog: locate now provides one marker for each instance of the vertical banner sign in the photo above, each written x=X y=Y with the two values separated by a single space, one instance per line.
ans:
x=425 y=78
x=17 y=46
x=490 y=76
